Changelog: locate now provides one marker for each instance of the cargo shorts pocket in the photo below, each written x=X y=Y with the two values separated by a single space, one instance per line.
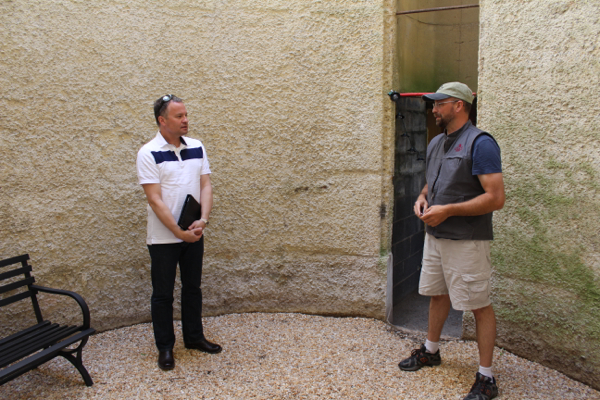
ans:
x=478 y=286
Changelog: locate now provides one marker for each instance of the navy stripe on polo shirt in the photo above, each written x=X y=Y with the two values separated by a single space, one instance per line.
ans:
x=194 y=152
x=162 y=156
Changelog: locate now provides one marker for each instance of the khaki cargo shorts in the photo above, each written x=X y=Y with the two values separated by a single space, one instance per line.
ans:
x=460 y=268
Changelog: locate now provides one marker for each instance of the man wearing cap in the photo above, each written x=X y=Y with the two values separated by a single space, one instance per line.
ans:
x=464 y=186
x=169 y=168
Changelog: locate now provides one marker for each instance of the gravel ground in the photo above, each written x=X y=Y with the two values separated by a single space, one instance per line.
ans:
x=285 y=356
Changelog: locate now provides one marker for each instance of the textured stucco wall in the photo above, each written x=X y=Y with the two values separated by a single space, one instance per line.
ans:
x=289 y=98
x=539 y=74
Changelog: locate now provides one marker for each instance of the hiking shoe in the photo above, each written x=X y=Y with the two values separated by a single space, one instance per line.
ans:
x=420 y=358
x=484 y=388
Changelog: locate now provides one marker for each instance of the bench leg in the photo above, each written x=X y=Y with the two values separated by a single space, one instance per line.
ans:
x=78 y=363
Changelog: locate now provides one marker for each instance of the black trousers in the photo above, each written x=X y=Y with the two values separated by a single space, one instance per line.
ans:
x=165 y=258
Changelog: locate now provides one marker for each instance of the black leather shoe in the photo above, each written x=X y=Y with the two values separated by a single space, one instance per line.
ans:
x=205 y=346
x=166 y=361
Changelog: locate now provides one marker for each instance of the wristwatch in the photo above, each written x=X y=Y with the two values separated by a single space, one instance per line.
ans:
x=205 y=221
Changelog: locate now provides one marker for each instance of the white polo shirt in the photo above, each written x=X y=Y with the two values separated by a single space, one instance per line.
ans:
x=178 y=171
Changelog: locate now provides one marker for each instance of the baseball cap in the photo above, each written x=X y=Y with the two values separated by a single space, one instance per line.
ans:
x=452 y=89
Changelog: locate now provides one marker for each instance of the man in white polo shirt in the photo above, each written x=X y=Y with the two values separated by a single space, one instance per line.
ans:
x=169 y=168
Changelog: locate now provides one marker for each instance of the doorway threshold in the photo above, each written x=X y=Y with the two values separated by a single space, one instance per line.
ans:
x=413 y=312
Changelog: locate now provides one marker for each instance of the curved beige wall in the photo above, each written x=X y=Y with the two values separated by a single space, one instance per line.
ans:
x=539 y=75
x=289 y=98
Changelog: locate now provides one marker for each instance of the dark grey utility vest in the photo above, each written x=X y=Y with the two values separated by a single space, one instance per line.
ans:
x=450 y=180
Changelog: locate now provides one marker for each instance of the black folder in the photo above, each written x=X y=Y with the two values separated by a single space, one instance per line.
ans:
x=189 y=213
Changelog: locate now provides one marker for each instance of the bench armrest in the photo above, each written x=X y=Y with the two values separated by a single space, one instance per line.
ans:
x=82 y=304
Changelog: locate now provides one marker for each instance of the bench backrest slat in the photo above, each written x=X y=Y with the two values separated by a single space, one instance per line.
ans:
x=15 y=272
x=22 y=259
x=16 y=297
x=16 y=285
x=28 y=280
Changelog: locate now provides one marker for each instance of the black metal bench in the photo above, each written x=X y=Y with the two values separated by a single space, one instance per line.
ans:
x=25 y=350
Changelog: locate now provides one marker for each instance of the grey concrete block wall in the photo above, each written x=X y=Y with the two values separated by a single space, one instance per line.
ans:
x=289 y=98
x=408 y=231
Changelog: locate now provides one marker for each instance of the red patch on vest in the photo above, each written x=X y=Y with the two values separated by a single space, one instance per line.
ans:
x=458 y=148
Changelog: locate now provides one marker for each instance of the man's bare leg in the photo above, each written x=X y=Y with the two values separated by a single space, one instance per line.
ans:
x=485 y=323
x=439 y=307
